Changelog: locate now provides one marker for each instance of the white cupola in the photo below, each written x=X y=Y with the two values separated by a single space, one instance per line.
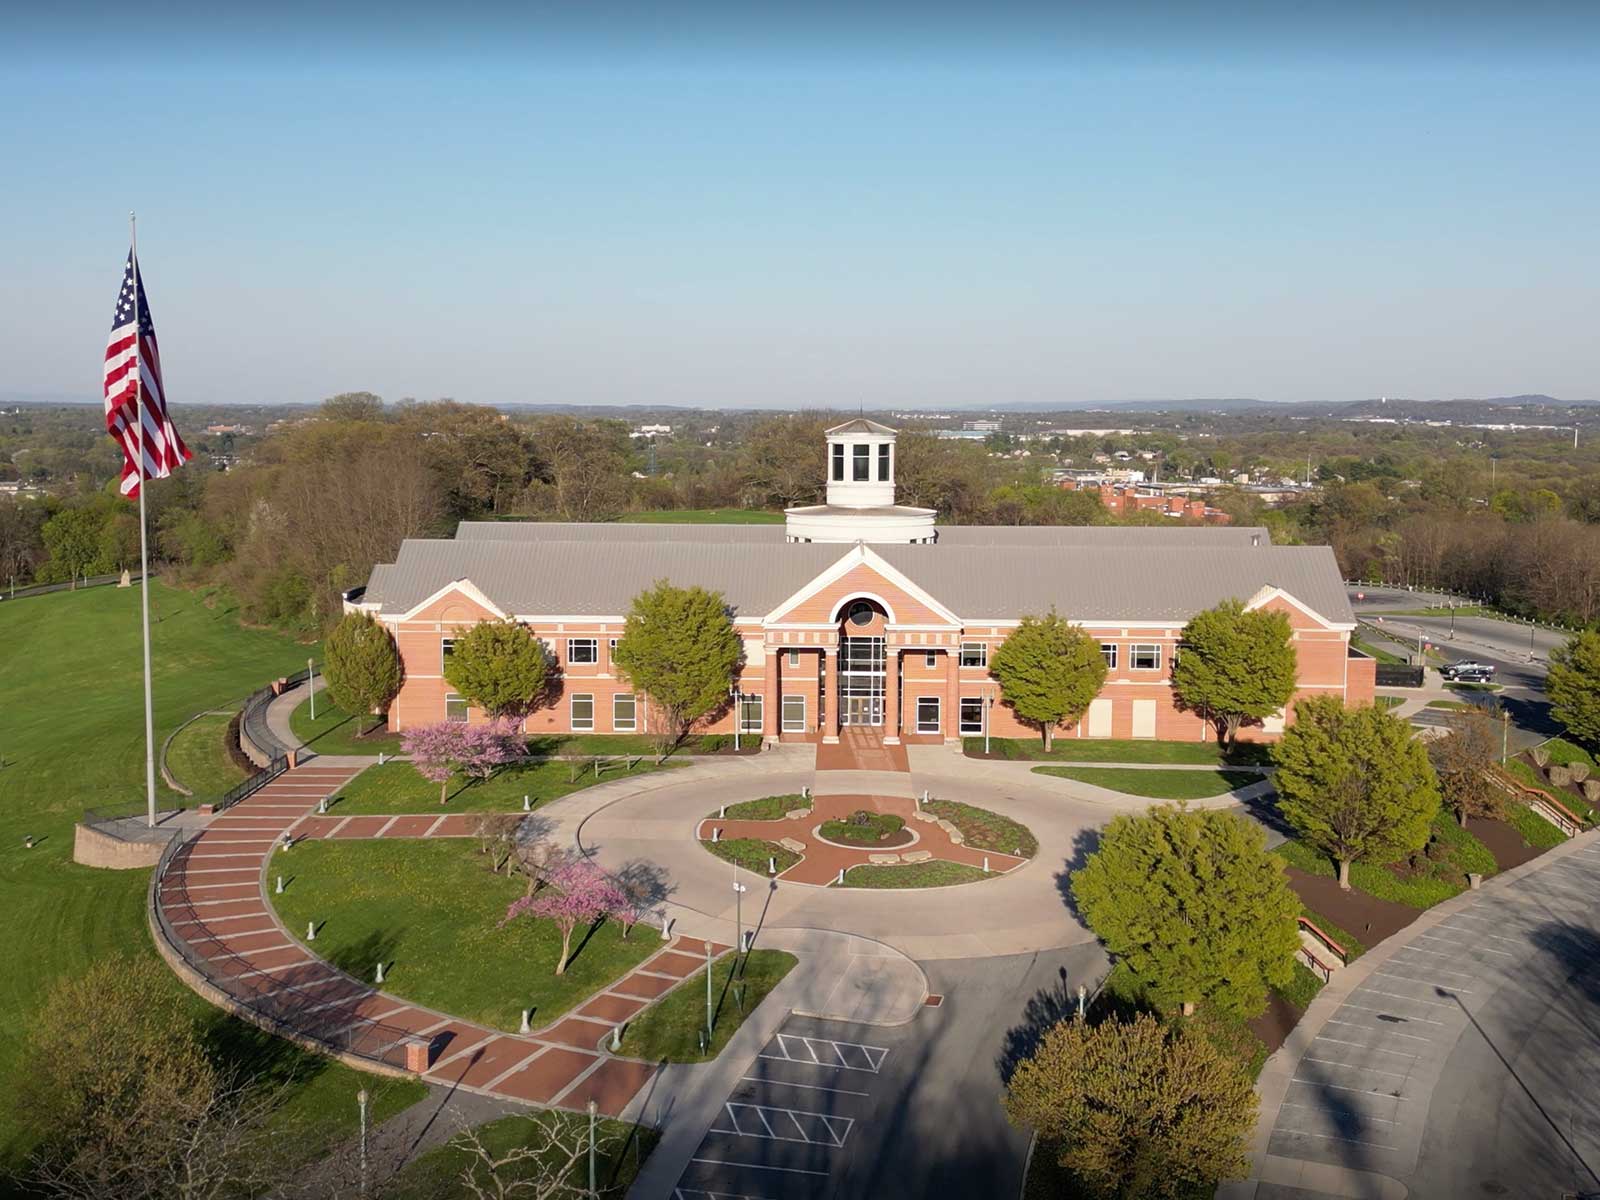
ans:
x=860 y=505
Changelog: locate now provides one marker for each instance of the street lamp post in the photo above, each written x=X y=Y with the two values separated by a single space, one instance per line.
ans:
x=311 y=685
x=593 y=1108
x=733 y=690
x=738 y=912
x=361 y=1099
x=988 y=703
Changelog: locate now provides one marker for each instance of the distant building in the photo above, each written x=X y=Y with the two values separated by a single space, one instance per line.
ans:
x=645 y=431
x=1125 y=498
x=981 y=426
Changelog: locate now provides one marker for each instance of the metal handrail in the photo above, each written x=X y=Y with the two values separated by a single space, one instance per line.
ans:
x=1315 y=931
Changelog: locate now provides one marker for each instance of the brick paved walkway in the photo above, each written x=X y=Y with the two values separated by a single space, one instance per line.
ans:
x=859 y=755
x=212 y=894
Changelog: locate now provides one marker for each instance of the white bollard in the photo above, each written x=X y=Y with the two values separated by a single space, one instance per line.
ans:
x=280 y=885
x=525 y=1027
x=322 y=805
x=722 y=813
x=666 y=926
x=716 y=834
x=527 y=806
x=841 y=874
x=380 y=758
x=772 y=865
x=985 y=864
x=616 y=1037
x=311 y=931
x=380 y=972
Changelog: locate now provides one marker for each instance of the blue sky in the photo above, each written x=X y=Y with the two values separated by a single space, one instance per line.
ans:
x=918 y=206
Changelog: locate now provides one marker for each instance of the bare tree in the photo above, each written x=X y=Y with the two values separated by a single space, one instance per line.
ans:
x=1463 y=759
x=548 y=1163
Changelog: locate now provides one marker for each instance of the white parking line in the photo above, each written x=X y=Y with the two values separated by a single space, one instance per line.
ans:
x=810 y=1087
x=1426 y=967
x=835 y=1130
x=1465 y=949
x=685 y=1193
x=722 y=1162
x=1403 y=996
x=1475 y=933
x=1334 y=1062
x=1333 y=1137
x=1385 y=1012
x=1386 y=1033
x=1319 y=1108
x=873 y=1056
x=1322 y=1037
x=1317 y=1083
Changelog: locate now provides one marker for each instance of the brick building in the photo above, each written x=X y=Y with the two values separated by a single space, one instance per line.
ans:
x=1125 y=498
x=860 y=611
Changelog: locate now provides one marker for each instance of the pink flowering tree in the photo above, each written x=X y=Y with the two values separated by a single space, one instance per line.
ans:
x=439 y=752
x=577 y=893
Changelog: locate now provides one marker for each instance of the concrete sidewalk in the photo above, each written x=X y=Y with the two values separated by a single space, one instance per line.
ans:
x=839 y=977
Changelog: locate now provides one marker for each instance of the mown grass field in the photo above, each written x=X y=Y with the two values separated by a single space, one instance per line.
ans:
x=1120 y=750
x=620 y=1149
x=71 y=736
x=430 y=911
x=198 y=757
x=396 y=787
x=334 y=731
x=669 y=1030
x=1158 y=785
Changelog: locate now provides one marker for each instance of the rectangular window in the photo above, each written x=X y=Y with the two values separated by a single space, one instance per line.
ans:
x=794 y=714
x=583 y=712
x=838 y=462
x=794 y=658
x=447 y=647
x=1144 y=656
x=971 y=714
x=931 y=660
x=750 y=713
x=883 y=463
x=582 y=651
x=974 y=654
x=927 y=714
x=1108 y=651
x=861 y=463
x=613 y=647
x=455 y=709
x=624 y=714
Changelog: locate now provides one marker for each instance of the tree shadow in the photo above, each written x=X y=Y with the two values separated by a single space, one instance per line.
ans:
x=361 y=958
x=1085 y=844
x=1263 y=809
x=646 y=880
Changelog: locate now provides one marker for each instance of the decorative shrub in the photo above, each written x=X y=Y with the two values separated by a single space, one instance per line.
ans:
x=1540 y=756
x=1559 y=776
x=1579 y=771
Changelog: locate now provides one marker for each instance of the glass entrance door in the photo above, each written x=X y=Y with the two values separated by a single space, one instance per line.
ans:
x=861 y=680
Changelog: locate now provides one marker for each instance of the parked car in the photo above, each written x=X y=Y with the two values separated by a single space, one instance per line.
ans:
x=1468 y=672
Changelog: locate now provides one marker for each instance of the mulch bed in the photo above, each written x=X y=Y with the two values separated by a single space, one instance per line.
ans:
x=1368 y=918
x=1503 y=841
x=1273 y=1026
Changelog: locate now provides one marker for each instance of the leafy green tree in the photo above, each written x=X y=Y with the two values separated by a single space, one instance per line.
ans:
x=361 y=665
x=1573 y=684
x=679 y=648
x=1049 y=669
x=1136 y=1111
x=1354 y=783
x=501 y=667
x=1191 y=902
x=1235 y=665
x=72 y=538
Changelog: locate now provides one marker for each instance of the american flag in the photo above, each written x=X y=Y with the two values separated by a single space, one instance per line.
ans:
x=133 y=373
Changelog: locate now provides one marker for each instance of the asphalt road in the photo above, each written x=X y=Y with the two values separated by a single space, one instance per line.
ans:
x=850 y=1112
x=1468 y=1062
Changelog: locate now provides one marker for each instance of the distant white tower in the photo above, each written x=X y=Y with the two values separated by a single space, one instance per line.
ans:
x=860 y=506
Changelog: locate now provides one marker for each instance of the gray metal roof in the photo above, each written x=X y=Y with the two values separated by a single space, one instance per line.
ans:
x=858 y=425
x=1099 y=573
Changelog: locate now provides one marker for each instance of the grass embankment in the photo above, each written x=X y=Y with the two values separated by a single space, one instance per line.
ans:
x=620 y=1149
x=81 y=689
x=1158 y=785
x=198 y=757
x=669 y=1030
x=338 y=732
x=396 y=787
x=753 y=854
x=1121 y=750
x=430 y=912
x=1432 y=875
x=1527 y=773
x=911 y=875
x=985 y=830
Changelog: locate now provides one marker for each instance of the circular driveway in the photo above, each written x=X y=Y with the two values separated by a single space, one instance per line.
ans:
x=650 y=831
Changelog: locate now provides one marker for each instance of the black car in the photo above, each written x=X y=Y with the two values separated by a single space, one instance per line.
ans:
x=1468 y=672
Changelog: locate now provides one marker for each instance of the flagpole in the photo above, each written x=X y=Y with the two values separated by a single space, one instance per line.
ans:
x=144 y=554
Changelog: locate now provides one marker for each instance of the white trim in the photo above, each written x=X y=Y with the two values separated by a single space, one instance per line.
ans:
x=805 y=713
x=572 y=699
x=916 y=714
x=467 y=588
x=615 y=696
x=857 y=556
x=1269 y=592
x=838 y=609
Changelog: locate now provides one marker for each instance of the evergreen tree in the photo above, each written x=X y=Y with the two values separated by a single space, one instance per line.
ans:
x=361 y=666
x=1354 y=783
x=1573 y=684
x=1193 y=905
x=1049 y=670
x=1136 y=1111
x=1235 y=665
x=501 y=667
x=679 y=648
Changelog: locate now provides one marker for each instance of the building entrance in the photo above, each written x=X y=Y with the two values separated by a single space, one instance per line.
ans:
x=862 y=679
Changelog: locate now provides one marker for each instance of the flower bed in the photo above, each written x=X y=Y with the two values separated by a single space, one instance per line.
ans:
x=863 y=828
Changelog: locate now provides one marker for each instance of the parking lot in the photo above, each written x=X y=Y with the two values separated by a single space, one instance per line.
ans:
x=802 y=1117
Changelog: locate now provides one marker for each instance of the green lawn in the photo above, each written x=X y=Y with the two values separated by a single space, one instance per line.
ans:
x=912 y=875
x=1353 y=949
x=753 y=854
x=1452 y=705
x=862 y=828
x=1388 y=701
x=603 y=744
x=1121 y=750
x=1159 y=785
x=1455 y=852
x=1535 y=830
x=198 y=757
x=620 y=1149
x=72 y=713
x=1526 y=773
x=704 y=516
x=1377 y=652
x=669 y=1030
x=395 y=787
x=985 y=830
x=334 y=730
x=768 y=808
x=429 y=911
